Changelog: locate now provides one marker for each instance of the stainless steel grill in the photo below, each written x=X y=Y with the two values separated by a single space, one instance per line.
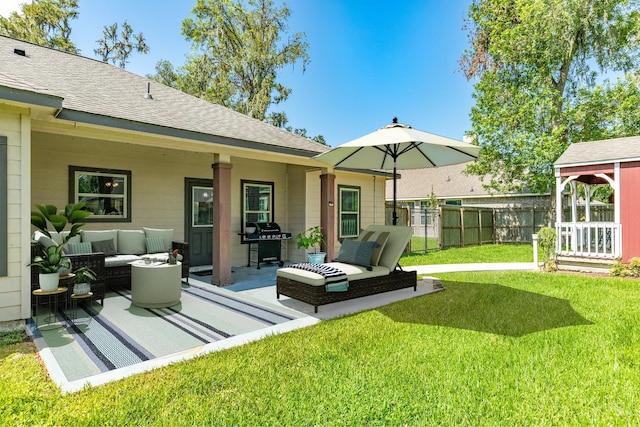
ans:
x=266 y=236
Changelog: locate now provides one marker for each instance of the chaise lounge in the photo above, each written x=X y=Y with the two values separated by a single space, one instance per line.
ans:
x=382 y=275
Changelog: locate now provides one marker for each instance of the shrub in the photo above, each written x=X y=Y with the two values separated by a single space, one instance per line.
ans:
x=631 y=269
x=547 y=245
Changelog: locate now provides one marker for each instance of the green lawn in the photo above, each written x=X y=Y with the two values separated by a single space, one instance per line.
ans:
x=473 y=254
x=512 y=348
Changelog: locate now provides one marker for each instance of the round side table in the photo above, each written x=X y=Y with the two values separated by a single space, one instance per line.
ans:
x=74 y=306
x=52 y=305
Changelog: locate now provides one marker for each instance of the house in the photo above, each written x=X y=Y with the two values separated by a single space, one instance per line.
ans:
x=586 y=238
x=451 y=186
x=166 y=159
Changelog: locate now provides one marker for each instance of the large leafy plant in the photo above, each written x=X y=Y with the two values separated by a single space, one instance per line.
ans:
x=72 y=214
x=52 y=259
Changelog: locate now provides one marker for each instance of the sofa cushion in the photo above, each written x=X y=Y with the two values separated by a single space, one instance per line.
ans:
x=131 y=242
x=165 y=233
x=154 y=244
x=79 y=247
x=101 y=235
x=356 y=252
x=120 y=260
x=105 y=246
x=380 y=237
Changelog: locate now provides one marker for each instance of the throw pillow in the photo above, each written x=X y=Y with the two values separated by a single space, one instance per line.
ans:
x=105 y=246
x=356 y=252
x=154 y=245
x=80 y=248
x=165 y=233
x=375 y=236
x=101 y=235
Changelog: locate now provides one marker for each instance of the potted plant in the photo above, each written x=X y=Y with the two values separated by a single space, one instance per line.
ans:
x=52 y=261
x=312 y=238
x=82 y=280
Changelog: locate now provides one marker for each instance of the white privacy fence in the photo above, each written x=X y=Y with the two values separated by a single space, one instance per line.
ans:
x=589 y=239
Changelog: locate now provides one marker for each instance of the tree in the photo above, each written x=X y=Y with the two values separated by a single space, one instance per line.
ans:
x=537 y=89
x=238 y=53
x=43 y=22
x=116 y=49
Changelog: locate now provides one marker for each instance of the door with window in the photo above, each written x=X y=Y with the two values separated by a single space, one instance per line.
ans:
x=199 y=220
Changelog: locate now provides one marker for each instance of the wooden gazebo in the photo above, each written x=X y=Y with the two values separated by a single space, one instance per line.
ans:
x=615 y=162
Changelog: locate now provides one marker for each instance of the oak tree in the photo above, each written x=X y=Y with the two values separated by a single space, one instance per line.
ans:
x=541 y=71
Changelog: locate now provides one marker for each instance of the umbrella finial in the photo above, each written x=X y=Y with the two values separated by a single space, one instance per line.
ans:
x=395 y=120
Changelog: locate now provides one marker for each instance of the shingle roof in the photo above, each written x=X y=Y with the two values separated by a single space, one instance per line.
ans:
x=106 y=91
x=446 y=182
x=603 y=151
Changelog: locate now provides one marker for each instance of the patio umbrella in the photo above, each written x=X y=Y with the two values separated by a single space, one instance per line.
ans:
x=398 y=146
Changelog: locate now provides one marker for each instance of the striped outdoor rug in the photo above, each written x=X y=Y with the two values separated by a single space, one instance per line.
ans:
x=121 y=334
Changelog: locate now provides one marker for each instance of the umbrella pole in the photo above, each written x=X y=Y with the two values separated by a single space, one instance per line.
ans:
x=395 y=215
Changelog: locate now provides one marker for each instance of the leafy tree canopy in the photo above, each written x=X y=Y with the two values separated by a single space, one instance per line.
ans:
x=116 y=48
x=237 y=53
x=540 y=68
x=47 y=23
x=43 y=22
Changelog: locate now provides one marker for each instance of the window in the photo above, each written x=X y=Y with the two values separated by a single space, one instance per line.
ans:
x=257 y=201
x=106 y=192
x=202 y=209
x=349 y=211
x=412 y=212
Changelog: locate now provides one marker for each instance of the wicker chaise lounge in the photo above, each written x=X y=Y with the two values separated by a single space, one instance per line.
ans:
x=309 y=287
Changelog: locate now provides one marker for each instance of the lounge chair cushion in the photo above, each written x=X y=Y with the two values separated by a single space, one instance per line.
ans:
x=354 y=272
x=379 y=237
x=357 y=252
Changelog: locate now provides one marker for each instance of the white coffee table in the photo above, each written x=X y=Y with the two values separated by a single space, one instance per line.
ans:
x=155 y=284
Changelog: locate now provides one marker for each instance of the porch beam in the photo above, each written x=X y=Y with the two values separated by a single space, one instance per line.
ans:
x=221 y=235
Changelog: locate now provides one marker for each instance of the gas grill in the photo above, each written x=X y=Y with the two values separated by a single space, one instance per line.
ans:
x=267 y=237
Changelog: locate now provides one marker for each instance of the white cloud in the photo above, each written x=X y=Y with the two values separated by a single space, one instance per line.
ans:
x=8 y=6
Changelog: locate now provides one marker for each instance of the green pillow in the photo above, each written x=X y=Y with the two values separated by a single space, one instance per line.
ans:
x=80 y=248
x=154 y=245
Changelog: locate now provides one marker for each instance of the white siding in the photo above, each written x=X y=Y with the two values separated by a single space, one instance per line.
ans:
x=15 y=291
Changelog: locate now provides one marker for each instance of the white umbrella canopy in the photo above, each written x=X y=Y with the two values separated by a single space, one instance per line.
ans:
x=398 y=146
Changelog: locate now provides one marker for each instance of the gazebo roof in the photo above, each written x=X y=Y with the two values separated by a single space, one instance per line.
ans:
x=603 y=151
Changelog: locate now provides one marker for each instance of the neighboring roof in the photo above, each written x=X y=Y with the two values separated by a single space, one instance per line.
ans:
x=603 y=151
x=447 y=182
x=99 y=93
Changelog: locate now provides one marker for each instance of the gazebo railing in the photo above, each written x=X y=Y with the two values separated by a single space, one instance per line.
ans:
x=589 y=239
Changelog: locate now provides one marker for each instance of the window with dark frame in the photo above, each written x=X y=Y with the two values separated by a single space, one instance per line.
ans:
x=257 y=202
x=106 y=192
x=348 y=211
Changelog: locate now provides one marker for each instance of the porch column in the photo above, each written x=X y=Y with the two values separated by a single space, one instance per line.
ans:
x=327 y=213
x=221 y=245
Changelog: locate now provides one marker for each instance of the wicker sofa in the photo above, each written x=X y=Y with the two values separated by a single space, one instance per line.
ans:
x=118 y=248
x=382 y=276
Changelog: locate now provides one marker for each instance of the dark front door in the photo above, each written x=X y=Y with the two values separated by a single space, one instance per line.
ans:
x=199 y=220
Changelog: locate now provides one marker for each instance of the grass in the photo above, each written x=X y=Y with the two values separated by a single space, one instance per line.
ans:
x=472 y=254
x=511 y=348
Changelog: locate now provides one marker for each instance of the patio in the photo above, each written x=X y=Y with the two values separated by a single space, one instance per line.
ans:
x=118 y=340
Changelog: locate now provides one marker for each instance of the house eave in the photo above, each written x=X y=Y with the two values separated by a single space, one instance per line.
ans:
x=134 y=126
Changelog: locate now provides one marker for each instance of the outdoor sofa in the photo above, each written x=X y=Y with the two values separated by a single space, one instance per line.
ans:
x=109 y=252
x=381 y=274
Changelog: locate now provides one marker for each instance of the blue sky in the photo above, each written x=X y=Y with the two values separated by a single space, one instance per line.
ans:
x=370 y=60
